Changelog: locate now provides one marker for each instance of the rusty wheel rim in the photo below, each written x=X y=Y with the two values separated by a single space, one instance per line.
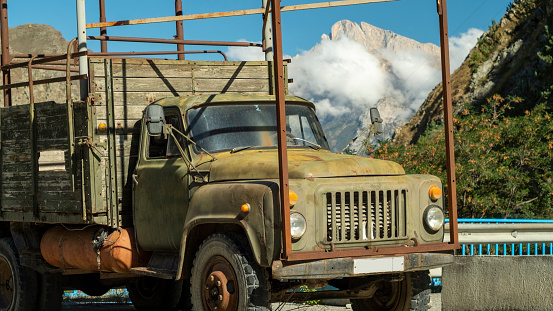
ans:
x=6 y=284
x=219 y=285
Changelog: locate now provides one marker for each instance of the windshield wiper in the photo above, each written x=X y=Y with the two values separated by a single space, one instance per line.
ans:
x=312 y=145
x=238 y=149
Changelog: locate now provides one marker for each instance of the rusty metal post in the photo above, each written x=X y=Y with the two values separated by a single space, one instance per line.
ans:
x=281 y=131
x=5 y=41
x=267 y=33
x=180 y=28
x=103 y=30
x=448 y=118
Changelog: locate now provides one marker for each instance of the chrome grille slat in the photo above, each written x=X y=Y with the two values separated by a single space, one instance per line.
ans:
x=360 y=216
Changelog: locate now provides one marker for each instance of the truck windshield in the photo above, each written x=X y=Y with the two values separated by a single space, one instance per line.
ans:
x=228 y=127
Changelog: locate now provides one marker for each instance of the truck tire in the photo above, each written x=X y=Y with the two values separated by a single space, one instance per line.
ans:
x=50 y=291
x=18 y=285
x=410 y=294
x=148 y=293
x=225 y=277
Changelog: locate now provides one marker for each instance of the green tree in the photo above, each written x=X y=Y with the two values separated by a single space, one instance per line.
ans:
x=503 y=163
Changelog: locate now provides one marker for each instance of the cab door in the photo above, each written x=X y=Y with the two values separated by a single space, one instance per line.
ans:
x=160 y=188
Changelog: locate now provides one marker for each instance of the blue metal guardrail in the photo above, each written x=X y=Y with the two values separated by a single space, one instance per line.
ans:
x=512 y=227
x=506 y=249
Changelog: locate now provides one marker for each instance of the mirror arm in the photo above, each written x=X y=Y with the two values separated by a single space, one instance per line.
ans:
x=169 y=130
x=194 y=143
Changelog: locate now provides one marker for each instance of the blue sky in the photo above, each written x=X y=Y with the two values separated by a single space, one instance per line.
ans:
x=416 y=19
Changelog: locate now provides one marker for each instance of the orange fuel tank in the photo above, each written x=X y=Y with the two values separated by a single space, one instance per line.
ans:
x=66 y=248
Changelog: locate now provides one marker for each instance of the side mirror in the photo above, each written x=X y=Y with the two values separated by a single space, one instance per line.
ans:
x=154 y=118
x=376 y=121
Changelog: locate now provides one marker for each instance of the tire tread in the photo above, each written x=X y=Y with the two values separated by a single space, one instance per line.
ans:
x=257 y=279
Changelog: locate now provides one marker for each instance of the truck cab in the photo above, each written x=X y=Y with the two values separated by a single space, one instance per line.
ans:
x=207 y=176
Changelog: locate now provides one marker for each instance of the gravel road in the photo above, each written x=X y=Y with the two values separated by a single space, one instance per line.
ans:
x=81 y=305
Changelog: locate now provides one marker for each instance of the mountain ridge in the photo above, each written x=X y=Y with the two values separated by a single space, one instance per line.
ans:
x=509 y=69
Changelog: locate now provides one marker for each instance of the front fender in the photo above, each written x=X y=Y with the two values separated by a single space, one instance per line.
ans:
x=221 y=202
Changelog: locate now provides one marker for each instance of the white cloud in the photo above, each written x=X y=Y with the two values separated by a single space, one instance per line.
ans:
x=416 y=76
x=250 y=53
x=460 y=46
x=340 y=75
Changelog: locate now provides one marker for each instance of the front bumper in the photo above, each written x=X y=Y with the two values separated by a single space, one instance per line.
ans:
x=354 y=267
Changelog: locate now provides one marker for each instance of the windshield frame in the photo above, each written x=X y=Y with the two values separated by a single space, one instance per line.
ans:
x=315 y=125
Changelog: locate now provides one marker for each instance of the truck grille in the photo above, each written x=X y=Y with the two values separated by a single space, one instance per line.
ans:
x=365 y=215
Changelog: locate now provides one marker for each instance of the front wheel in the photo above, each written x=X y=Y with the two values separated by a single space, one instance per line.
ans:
x=410 y=294
x=224 y=277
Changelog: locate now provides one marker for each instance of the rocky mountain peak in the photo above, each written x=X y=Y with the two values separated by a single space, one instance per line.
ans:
x=37 y=39
x=375 y=38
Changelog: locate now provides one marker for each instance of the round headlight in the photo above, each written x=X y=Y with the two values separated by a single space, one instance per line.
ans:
x=298 y=225
x=433 y=218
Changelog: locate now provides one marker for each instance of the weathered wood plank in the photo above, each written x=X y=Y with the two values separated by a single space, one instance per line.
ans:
x=128 y=113
x=44 y=217
x=58 y=180
x=16 y=177
x=137 y=98
x=242 y=71
x=52 y=144
x=173 y=85
x=228 y=86
x=16 y=135
x=150 y=68
x=50 y=109
x=17 y=201
x=146 y=70
x=59 y=202
x=14 y=124
x=16 y=167
x=16 y=113
x=177 y=85
x=61 y=207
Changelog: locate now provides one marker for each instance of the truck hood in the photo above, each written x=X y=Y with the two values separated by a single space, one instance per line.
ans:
x=302 y=164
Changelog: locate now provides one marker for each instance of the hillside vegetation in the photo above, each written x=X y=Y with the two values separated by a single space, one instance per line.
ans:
x=503 y=143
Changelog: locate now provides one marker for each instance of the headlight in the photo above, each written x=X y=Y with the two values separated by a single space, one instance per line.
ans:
x=433 y=218
x=297 y=225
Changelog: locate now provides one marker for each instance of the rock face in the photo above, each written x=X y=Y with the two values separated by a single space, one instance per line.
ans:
x=37 y=39
x=509 y=70
x=377 y=39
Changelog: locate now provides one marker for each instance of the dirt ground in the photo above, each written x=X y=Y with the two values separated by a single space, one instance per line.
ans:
x=435 y=301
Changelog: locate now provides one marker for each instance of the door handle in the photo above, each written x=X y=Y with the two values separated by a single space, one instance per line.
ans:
x=135 y=179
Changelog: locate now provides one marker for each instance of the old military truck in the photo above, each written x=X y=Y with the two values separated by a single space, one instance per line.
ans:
x=165 y=180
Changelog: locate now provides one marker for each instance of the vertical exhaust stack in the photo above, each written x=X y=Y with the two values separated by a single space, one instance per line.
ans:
x=81 y=38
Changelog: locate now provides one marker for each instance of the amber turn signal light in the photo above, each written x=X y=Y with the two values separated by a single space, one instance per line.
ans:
x=435 y=193
x=102 y=127
x=245 y=208
x=293 y=197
